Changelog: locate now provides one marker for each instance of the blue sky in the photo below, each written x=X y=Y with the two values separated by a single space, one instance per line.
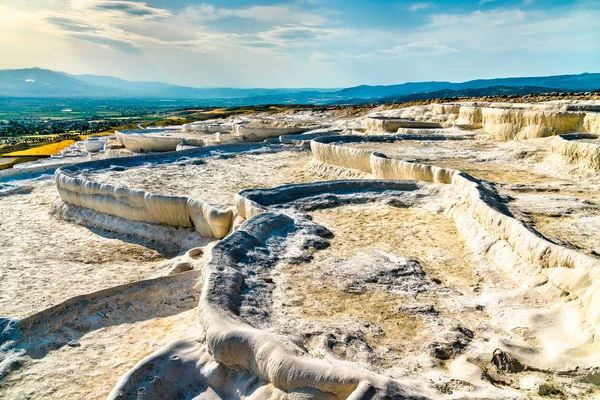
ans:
x=301 y=43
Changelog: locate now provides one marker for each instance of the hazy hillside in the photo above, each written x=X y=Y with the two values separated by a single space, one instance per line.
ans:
x=375 y=92
x=583 y=82
x=42 y=83
x=449 y=93
x=37 y=82
x=157 y=89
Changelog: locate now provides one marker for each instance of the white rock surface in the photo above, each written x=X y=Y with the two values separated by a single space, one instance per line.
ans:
x=428 y=279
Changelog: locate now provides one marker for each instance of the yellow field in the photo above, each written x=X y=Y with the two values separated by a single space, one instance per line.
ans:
x=225 y=111
x=45 y=150
x=215 y=111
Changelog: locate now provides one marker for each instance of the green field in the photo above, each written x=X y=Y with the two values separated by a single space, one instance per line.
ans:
x=12 y=108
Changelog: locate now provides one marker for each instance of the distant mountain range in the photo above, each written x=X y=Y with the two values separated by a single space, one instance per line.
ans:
x=37 y=82
x=581 y=82
x=43 y=83
x=450 y=93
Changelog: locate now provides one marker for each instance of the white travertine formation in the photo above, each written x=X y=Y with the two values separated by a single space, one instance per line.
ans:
x=377 y=123
x=430 y=131
x=508 y=124
x=575 y=273
x=123 y=202
x=591 y=122
x=225 y=138
x=386 y=168
x=329 y=153
x=139 y=205
x=578 y=152
x=522 y=122
x=259 y=129
x=204 y=133
x=208 y=127
x=255 y=133
x=505 y=121
x=149 y=140
x=247 y=208
x=270 y=362
x=231 y=356
x=445 y=108
x=93 y=144
x=208 y=220
x=469 y=117
x=232 y=342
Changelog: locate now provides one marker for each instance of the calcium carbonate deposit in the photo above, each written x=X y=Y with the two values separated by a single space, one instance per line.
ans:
x=443 y=251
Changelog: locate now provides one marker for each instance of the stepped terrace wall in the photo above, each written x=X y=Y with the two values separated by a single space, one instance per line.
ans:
x=208 y=220
x=505 y=121
x=327 y=149
x=393 y=124
x=141 y=140
x=574 y=273
x=508 y=123
x=208 y=127
x=257 y=132
x=574 y=149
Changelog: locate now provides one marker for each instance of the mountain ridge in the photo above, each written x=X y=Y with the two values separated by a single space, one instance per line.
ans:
x=583 y=81
x=469 y=93
x=44 y=83
x=38 y=82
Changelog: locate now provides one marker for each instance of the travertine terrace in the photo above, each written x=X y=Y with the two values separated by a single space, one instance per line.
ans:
x=440 y=251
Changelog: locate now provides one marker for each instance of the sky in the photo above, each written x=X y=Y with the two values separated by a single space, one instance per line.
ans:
x=301 y=43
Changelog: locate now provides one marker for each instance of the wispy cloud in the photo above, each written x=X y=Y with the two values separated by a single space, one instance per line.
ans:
x=295 y=35
x=121 y=45
x=418 y=49
x=69 y=24
x=414 y=7
x=337 y=56
x=501 y=30
x=297 y=42
x=121 y=8
x=280 y=14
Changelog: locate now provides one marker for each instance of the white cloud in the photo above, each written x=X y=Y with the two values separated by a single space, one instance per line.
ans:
x=119 y=9
x=337 y=56
x=213 y=45
x=295 y=35
x=482 y=2
x=279 y=14
x=418 y=49
x=129 y=27
x=501 y=30
x=414 y=7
